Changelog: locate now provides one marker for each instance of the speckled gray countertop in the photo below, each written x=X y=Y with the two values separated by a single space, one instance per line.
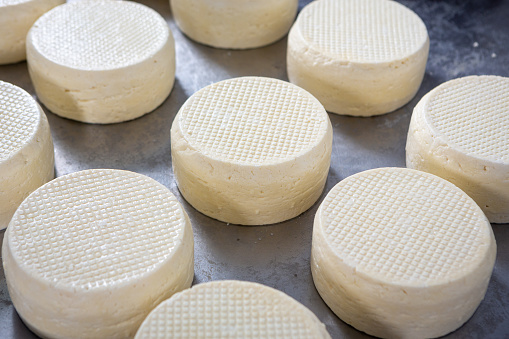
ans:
x=467 y=37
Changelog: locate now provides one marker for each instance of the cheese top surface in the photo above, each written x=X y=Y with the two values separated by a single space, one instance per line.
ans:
x=364 y=31
x=231 y=309
x=253 y=121
x=99 y=34
x=19 y=118
x=472 y=114
x=5 y=3
x=96 y=228
x=404 y=226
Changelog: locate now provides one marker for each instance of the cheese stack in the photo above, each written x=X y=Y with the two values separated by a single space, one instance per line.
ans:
x=101 y=61
x=26 y=149
x=90 y=254
x=16 y=18
x=251 y=150
x=460 y=132
x=358 y=57
x=231 y=309
x=399 y=253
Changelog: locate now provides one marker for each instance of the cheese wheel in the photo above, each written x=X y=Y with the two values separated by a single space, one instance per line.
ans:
x=251 y=150
x=236 y=24
x=16 y=18
x=358 y=57
x=90 y=254
x=231 y=309
x=101 y=61
x=399 y=253
x=460 y=132
x=26 y=149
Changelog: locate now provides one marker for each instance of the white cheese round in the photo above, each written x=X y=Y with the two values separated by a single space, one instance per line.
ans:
x=358 y=57
x=251 y=150
x=101 y=61
x=231 y=309
x=460 y=132
x=26 y=149
x=236 y=24
x=16 y=18
x=90 y=254
x=399 y=253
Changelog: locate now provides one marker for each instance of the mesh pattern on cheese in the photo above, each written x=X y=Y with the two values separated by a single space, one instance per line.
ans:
x=473 y=114
x=4 y=3
x=362 y=30
x=99 y=34
x=19 y=118
x=228 y=309
x=403 y=225
x=253 y=120
x=96 y=227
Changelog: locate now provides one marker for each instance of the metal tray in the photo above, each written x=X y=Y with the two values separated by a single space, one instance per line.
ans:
x=467 y=37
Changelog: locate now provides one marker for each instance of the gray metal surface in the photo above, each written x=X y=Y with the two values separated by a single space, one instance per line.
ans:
x=467 y=37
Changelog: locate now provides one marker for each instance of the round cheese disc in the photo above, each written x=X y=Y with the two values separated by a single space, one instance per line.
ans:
x=358 y=57
x=26 y=149
x=90 y=254
x=251 y=150
x=16 y=18
x=399 y=253
x=231 y=309
x=236 y=24
x=101 y=61
x=460 y=132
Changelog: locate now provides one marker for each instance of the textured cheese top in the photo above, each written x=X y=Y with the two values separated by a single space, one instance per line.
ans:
x=96 y=228
x=362 y=30
x=99 y=34
x=4 y=3
x=253 y=121
x=231 y=309
x=404 y=226
x=19 y=118
x=472 y=114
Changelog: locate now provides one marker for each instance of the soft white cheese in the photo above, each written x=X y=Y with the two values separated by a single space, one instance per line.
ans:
x=231 y=309
x=101 y=61
x=358 y=57
x=251 y=150
x=400 y=253
x=90 y=254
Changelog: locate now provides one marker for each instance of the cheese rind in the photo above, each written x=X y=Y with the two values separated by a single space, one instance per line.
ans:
x=236 y=24
x=251 y=150
x=91 y=253
x=101 y=61
x=458 y=131
x=231 y=309
x=26 y=154
x=399 y=253
x=16 y=18
x=358 y=57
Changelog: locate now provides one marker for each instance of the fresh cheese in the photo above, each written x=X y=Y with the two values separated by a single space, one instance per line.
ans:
x=231 y=309
x=90 y=254
x=399 y=253
x=251 y=150
x=358 y=57
x=26 y=149
x=101 y=61
x=236 y=24
x=16 y=18
x=460 y=132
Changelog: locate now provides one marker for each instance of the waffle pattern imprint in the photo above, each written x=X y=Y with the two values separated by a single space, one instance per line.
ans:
x=231 y=309
x=19 y=118
x=473 y=115
x=253 y=120
x=404 y=226
x=99 y=34
x=96 y=227
x=362 y=30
